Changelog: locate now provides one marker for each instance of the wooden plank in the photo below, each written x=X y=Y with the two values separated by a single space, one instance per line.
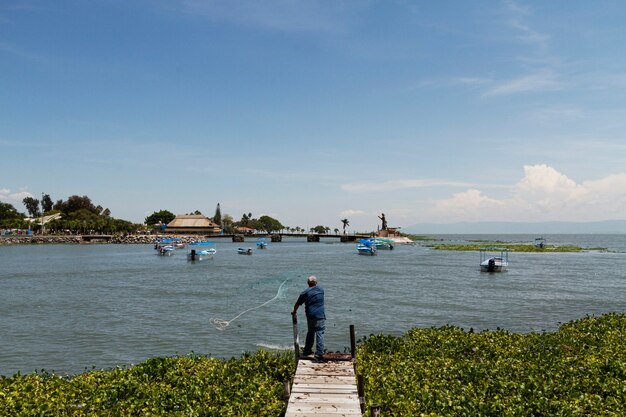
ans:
x=324 y=389
x=326 y=413
x=323 y=409
x=309 y=390
x=330 y=387
x=324 y=398
x=324 y=379
x=337 y=372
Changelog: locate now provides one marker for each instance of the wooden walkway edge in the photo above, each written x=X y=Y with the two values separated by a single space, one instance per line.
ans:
x=324 y=389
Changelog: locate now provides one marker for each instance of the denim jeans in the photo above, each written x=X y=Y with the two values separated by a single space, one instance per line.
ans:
x=315 y=331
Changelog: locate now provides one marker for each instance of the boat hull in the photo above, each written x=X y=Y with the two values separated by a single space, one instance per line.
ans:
x=202 y=255
x=494 y=265
x=366 y=250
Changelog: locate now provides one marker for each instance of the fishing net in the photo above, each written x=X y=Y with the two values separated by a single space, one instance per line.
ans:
x=284 y=281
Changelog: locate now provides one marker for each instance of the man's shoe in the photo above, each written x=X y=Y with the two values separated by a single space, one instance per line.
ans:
x=309 y=356
x=319 y=359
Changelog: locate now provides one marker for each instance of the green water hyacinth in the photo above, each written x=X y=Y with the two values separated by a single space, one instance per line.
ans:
x=513 y=247
x=579 y=370
x=174 y=386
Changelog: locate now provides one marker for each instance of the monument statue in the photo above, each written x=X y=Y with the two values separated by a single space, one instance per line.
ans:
x=382 y=217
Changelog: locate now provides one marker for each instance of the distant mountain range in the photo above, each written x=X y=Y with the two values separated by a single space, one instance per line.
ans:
x=607 y=226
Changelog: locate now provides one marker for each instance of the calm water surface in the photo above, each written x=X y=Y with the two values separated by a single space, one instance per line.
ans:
x=68 y=308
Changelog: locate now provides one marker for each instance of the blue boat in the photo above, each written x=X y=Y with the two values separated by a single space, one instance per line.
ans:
x=164 y=247
x=366 y=247
x=200 y=251
x=261 y=243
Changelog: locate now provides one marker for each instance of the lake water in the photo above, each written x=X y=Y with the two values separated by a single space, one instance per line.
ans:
x=68 y=308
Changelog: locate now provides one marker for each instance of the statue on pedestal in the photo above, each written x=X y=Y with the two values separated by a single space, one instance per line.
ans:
x=382 y=217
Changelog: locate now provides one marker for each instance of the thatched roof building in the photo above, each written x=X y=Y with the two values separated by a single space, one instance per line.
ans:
x=193 y=223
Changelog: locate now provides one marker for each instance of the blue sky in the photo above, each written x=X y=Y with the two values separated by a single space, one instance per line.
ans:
x=316 y=111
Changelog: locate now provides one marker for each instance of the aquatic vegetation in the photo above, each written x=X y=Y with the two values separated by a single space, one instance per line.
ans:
x=418 y=237
x=513 y=247
x=578 y=370
x=164 y=386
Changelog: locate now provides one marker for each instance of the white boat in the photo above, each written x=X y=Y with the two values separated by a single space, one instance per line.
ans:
x=366 y=247
x=200 y=251
x=165 y=250
x=540 y=242
x=261 y=243
x=383 y=244
x=242 y=251
x=178 y=243
x=490 y=262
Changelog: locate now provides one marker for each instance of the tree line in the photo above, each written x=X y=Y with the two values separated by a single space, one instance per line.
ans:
x=78 y=214
x=227 y=223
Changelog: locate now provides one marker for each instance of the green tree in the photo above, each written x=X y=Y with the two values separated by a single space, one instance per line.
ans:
x=46 y=202
x=228 y=225
x=8 y=212
x=32 y=206
x=75 y=203
x=217 y=219
x=162 y=216
x=346 y=223
x=319 y=229
x=246 y=221
x=269 y=224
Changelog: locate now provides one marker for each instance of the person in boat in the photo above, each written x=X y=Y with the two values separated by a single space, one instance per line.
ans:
x=313 y=300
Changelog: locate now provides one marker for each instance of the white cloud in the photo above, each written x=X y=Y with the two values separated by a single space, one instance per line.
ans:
x=281 y=15
x=400 y=184
x=13 y=197
x=538 y=82
x=543 y=194
x=470 y=205
x=546 y=187
x=352 y=213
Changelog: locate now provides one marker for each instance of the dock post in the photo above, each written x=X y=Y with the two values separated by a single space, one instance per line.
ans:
x=286 y=390
x=374 y=410
x=296 y=342
x=352 y=342
x=360 y=389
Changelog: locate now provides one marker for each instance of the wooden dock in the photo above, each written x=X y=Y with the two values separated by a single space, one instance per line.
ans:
x=324 y=389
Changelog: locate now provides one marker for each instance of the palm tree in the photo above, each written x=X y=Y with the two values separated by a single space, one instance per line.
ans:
x=346 y=223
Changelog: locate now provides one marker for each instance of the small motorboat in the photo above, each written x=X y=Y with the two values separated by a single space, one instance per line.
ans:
x=366 y=247
x=178 y=243
x=165 y=250
x=494 y=263
x=243 y=251
x=383 y=244
x=261 y=243
x=200 y=251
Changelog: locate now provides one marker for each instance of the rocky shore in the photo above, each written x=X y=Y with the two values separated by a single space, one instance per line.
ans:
x=77 y=239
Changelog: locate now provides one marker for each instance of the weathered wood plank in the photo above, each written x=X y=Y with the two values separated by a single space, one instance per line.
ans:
x=338 y=372
x=324 y=398
x=330 y=387
x=324 y=379
x=324 y=389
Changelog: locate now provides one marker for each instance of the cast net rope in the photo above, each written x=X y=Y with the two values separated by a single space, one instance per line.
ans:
x=221 y=324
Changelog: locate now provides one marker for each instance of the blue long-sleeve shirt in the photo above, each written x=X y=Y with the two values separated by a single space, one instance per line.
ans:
x=313 y=300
